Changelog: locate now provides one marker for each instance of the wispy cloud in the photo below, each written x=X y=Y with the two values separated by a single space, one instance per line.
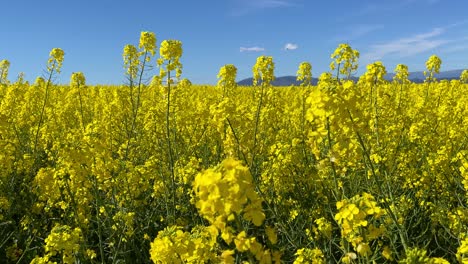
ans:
x=269 y=3
x=290 y=46
x=457 y=45
x=357 y=31
x=379 y=7
x=244 y=7
x=405 y=47
x=455 y=48
x=253 y=49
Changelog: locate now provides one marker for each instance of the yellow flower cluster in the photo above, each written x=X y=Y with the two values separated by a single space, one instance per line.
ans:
x=226 y=193
x=173 y=245
x=55 y=61
x=77 y=79
x=417 y=255
x=309 y=256
x=63 y=243
x=375 y=73
x=358 y=218
x=462 y=252
x=4 y=66
x=39 y=82
x=344 y=60
x=304 y=73
x=433 y=66
x=170 y=51
x=263 y=70
x=464 y=76
x=227 y=78
x=131 y=62
x=148 y=43
x=401 y=73
x=342 y=171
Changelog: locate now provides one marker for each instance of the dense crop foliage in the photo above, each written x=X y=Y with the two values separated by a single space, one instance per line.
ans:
x=170 y=172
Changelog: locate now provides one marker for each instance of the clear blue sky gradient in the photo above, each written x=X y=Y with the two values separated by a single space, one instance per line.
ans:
x=93 y=34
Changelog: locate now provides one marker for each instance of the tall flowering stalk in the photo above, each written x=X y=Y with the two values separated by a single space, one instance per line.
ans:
x=433 y=66
x=374 y=78
x=227 y=78
x=401 y=77
x=263 y=71
x=169 y=61
x=345 y=60
x=4 y=66
x=54 y=65
x=77 y=81
x=136 y=64
x=304 y=73
x=464 y=76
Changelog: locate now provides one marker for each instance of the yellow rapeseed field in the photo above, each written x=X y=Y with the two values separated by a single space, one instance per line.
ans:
x=164 y=171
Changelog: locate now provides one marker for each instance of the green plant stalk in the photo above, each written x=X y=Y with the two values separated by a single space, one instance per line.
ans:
x=335 y=177
x=81 y=109
x=392 y=214
x=135 y=105
x=257 y=121
x=98 y=202
x=169 y=144
x=41 y=117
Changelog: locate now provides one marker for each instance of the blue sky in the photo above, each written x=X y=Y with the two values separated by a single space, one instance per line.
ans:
x=218 y=32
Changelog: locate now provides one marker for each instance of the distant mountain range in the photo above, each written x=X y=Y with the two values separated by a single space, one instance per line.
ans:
x=416 y=77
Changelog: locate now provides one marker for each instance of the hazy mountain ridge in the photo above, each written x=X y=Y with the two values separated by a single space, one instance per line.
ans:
x=416 y=77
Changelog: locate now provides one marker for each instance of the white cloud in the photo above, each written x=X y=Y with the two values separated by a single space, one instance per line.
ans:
x=379 y=7
x=405 y=47
x=270 y=3
x=357 y=31
x=254 y=49
x=244 y=7
x=290 y=46
x=455 y=48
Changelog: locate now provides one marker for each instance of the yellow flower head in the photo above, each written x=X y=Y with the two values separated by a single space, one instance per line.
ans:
x=345 y=58
x=264 y=70
x=39 y=81
x=55 y=60
x=227 y=76
x=375 y=73
x=171 y=49
x=433 y=64
x=462 y=252
x=304 y=73
x=4 y=66
x=148 y=42
x=226 y=191
x=307 y=255
x=170 y=52
x=77 y=79
x=130 y=57
x=433 y=67
x=401 y=73
x=464 y=76
x=184 y=83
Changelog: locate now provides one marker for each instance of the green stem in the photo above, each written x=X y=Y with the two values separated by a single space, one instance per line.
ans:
x=257 y=121
x=41 y=117
x=98 y=202
x=379 y=185
x=169 y=143
x=135 y=105
x=81 y=109
x=337 y=193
